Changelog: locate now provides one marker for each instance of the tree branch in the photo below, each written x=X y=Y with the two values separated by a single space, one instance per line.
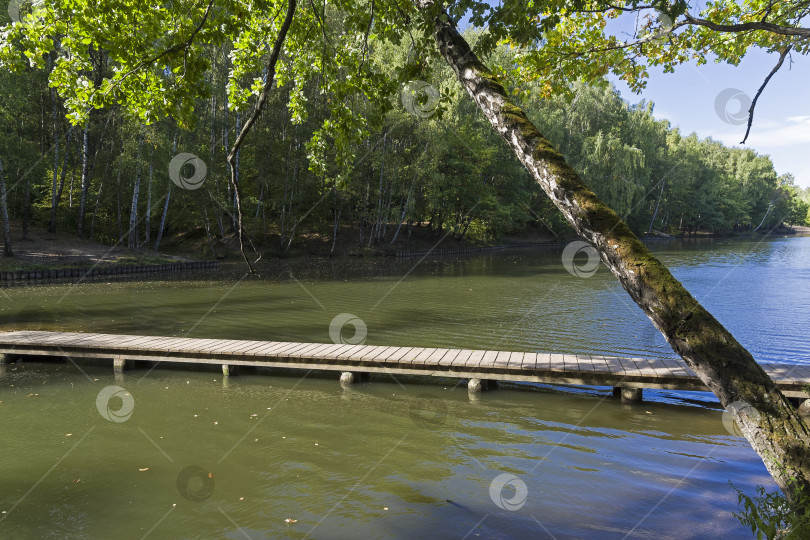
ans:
x=271 y=72
x=750 y=26
x=174 y=48
x=778 y=65
x=368 y=30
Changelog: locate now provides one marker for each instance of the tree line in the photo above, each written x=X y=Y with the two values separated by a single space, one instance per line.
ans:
x=426 y=162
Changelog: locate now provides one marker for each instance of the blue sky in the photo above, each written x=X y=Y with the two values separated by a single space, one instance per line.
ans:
x=686 y=98
x=781 y=127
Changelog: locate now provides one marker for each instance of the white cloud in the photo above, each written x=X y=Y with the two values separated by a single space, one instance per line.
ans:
x=793 y=130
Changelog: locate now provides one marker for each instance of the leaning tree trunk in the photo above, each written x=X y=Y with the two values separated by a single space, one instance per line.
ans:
x=767 y=419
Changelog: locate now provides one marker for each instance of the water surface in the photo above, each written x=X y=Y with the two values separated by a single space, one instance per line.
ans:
x=292 y=456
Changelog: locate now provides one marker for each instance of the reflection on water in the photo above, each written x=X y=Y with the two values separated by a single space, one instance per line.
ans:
x=376 y=461
x=300 y=457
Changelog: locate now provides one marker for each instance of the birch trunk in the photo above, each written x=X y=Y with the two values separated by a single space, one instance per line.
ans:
x=7 y=250
x=234 y=221
x=766 y=418
x=657 y=205
x=404 y=211
x=338 y=211
x=52 y=225
x=98 y=201
x=132 y=236
x=148 y=233
x=27 y=207
x=85 y=182
x=166 y=202
x=57 y=195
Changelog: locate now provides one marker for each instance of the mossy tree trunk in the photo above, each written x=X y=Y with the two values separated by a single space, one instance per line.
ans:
x=764 y=415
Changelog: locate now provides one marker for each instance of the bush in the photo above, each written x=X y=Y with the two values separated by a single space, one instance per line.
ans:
x=770 y=515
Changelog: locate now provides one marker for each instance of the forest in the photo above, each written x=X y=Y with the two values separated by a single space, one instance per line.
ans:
x=426 y=162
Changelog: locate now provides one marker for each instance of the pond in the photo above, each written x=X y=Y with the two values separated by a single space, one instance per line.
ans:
x=280 y=455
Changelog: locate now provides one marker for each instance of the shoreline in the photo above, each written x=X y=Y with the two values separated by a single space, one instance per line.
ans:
x=49 y=256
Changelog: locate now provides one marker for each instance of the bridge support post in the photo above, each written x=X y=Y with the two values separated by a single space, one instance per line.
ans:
x=628 y=395
x=227 y=370
x=347 y=378
x=481 y=385
x=4 y=358
x=120 y=364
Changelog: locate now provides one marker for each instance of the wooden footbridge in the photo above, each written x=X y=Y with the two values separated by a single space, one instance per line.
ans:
x=627 y=376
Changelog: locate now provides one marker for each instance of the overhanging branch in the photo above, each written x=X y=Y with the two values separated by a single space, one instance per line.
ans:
x=778 y=65
x=750 y=26
x=271 y=72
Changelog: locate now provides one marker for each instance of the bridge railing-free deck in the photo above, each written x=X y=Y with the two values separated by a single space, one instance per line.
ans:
x=480 y=367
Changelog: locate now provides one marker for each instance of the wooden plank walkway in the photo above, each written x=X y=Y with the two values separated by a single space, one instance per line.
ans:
x=437 y=362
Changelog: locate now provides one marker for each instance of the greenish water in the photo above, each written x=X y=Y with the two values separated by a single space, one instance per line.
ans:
x=387 y=459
